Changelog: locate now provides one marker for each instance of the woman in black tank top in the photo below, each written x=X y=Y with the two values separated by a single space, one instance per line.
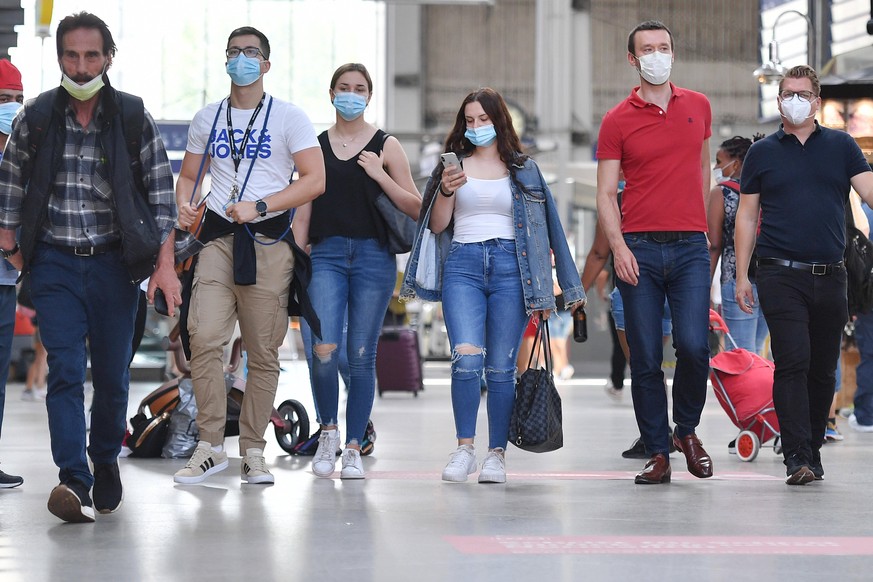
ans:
x=353 y=273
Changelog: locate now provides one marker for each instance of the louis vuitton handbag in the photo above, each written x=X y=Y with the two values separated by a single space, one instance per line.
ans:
x=536 y=421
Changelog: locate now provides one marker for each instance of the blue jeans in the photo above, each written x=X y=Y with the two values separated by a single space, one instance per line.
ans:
x=7 y=329
x=355 y=276
x=306 y=336
x=864 y=372
x=85 y=303
x=749 y=330
x=483 y=305
x=679 y=271
x=616 y=307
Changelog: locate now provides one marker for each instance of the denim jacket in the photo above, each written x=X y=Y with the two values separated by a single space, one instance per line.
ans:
x=537 y=229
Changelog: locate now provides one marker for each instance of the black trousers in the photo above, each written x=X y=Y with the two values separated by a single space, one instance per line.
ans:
x=806 y=315
x=618 y=362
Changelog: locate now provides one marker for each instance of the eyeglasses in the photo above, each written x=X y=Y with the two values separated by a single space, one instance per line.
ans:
x=787 y=95
x=249 y=51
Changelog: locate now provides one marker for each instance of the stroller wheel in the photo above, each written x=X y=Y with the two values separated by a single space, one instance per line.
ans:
x=748 y=445
x=296 y=425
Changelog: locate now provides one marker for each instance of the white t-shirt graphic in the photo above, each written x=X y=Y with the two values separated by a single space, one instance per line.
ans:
x=288 y=131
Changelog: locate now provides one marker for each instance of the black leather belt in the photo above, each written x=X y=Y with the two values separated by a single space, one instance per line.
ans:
x=89 y=251
x=814 y=268
x=662 y=236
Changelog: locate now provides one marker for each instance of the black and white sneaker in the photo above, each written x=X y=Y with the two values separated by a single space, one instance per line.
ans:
x=203 y=463
x=8 y=481
x=107 y=487
x=70 y=502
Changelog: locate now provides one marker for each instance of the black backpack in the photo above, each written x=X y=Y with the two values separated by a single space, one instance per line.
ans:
x=38 y=115
x=859 y=267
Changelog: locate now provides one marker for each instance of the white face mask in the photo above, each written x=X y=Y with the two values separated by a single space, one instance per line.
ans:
x=796 y=110
x=82 y=92
x=719 y=176
x=655 y=67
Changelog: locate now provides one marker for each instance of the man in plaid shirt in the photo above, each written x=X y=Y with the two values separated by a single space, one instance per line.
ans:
x=89 y=234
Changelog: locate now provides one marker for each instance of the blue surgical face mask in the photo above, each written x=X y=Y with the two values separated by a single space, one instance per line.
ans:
x=7 y=114
x=244 y=70
x=349 y=105
x=482 y=136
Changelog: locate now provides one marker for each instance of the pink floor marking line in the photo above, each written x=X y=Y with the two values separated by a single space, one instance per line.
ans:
x=746 y=545
x=678 y=475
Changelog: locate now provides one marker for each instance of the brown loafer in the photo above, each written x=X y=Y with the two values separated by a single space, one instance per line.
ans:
x=656 y=471
x=699 y=461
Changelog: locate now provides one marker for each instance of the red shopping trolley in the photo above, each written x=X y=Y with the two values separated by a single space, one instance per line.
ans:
x=743 y=385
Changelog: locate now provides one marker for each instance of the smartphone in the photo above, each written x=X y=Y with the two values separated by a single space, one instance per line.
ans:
x=161 y=302
x=450 y=159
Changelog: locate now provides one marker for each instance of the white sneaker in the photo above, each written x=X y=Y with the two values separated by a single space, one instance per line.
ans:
x=28 y=396
x=853 y=422
x=353 y=468
x=203 y=463
x=253 y=468
x=324 y=462
x=567 y=372
x=461 y=464
x=614 y=393
x=493 y=467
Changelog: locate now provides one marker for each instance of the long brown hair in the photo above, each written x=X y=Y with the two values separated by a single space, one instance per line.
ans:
x=508 y=144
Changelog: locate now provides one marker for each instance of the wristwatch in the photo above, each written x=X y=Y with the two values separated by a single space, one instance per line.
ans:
x=261 y=207
x=6 y=254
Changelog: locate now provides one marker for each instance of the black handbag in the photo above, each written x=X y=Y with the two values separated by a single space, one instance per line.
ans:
x=399 y=227
x=536 y=421
x=150 y=432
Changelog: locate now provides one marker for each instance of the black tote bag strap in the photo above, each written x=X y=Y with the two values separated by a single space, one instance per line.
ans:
x=541 y=342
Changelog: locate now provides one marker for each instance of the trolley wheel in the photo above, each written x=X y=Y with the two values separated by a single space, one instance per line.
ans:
x=777 y=446
x=296 y=425
x=748 y=445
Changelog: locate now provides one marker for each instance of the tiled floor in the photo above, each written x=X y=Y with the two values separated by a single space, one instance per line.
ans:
x=574 y=514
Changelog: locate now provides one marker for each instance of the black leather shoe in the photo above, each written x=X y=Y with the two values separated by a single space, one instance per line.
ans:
x=816 y=467
x=636 y=451
x=656 y=471
x=800 y=469
x=698 y=460
x=800 y=475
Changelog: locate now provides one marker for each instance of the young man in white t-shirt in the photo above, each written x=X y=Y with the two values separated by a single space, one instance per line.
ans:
x=240 y=274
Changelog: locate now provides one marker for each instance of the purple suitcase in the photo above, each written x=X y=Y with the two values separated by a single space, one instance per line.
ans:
x=398 y=361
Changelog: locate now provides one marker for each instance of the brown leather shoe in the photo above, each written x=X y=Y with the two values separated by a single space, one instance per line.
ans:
x=656 y=471
x=699 y=461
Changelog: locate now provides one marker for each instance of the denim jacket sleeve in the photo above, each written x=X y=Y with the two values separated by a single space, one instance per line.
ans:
x=429 y=251
x=565 y=267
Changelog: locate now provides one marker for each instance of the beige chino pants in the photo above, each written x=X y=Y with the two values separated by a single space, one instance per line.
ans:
x=262 y=311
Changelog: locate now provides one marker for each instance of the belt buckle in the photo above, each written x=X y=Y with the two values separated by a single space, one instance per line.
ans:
x=83 y=251
x=820 y=269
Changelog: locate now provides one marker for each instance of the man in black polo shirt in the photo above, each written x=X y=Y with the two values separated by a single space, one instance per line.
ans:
x=799 y=179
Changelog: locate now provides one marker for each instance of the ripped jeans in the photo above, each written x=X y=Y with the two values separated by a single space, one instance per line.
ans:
x=483 y=305
x=357 y=275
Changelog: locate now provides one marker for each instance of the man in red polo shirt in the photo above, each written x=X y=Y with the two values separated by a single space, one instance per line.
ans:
x=659 y=136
